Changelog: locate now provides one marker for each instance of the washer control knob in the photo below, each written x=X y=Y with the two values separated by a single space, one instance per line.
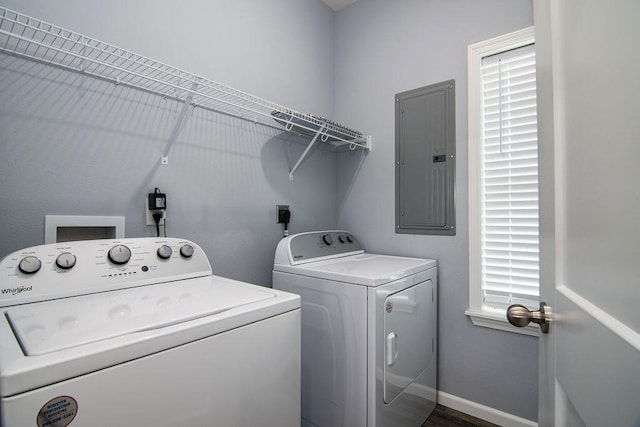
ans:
x=326 y=238
x=66 y=260
x=119 y=254
x=29 y=265
x=342 y=238
x=186 y=251
x=349 y=238
x=164 y=252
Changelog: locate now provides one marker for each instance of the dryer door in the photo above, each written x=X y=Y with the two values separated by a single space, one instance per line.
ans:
x=408 y=336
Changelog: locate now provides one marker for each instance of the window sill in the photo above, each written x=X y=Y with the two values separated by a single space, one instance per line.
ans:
x=496 y=321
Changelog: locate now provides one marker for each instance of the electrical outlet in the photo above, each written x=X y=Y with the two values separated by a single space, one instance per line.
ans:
x=283 y=214
x=149 y=214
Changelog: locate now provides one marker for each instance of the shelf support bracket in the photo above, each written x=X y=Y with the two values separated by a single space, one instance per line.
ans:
x=306 y=151
x=179 y=122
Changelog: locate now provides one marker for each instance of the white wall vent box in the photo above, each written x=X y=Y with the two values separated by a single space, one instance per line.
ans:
x=66 y=228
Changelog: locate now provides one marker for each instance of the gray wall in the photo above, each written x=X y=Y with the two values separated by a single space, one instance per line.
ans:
x=78 y=146
x=70 y=145
x=383 y=48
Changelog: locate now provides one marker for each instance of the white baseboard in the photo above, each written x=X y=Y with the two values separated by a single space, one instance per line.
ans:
x=486 y=413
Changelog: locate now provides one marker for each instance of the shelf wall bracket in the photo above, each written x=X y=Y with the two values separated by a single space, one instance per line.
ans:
x=179 y=122
x=306 y=151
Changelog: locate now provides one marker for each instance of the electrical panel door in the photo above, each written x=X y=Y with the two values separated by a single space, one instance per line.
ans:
x=425 y=160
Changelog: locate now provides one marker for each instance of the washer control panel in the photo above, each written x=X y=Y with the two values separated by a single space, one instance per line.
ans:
x=65 y=269
x=316 y=246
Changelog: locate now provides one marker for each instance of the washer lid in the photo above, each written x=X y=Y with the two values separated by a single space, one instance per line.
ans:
x=50 y=326
x=363 y=269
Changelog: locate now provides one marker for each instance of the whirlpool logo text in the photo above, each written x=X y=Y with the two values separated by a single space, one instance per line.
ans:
x=16 y=291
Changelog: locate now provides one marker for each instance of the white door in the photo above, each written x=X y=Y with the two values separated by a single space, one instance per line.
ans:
x=589 y=116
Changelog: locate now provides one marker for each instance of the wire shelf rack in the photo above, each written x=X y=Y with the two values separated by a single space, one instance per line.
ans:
x=34 y=39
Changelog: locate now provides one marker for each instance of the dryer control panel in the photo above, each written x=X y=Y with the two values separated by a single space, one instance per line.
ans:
x=59 y=270
x=316 y=246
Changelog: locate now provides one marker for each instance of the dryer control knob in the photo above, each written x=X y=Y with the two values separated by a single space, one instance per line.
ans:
x=119 y=254
x=342 y=238
x=327 y=239
x=66 y=260
x=186 y=251
x=164 y=252
x=29 y=265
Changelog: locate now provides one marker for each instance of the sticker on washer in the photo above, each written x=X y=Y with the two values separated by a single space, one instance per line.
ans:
x=58 y=412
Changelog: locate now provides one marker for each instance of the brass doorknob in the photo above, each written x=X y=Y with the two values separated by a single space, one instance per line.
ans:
x=520 y=316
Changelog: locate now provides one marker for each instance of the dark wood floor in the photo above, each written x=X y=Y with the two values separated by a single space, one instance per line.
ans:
x=447 y=417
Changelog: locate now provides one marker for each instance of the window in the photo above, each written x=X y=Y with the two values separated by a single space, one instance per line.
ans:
x=503 y=179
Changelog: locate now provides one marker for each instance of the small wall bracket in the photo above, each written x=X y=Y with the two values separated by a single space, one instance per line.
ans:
x=306 y=151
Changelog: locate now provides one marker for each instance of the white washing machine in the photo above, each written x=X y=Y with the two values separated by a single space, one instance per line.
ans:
x=369 y=327
x=138 y=332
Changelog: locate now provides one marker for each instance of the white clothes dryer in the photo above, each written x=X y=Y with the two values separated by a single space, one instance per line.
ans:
x=369 y=322
x=139 y=332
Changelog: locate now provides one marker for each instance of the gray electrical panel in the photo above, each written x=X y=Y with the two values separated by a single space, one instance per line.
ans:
x=425 y=160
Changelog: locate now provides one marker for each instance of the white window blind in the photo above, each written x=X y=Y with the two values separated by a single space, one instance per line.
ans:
x=510 y=261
